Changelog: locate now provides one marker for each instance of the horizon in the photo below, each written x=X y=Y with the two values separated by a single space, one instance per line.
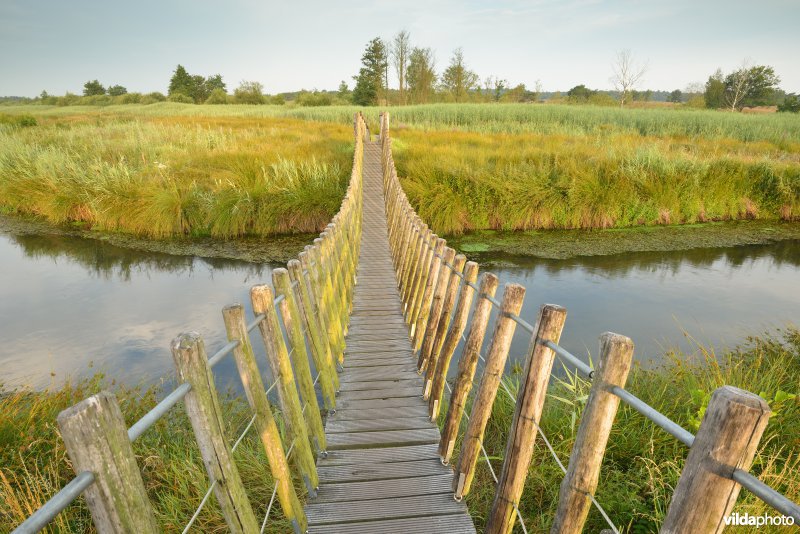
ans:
x=58 y=47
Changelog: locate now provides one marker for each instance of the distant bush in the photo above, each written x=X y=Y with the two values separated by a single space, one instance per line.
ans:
x=130 y=98
x=95 y=100
x=317 y=98
x=791 y=104
x=277 y=100
x=249 y=93
x=217 y=96
x=19 y=121
x=180 y=98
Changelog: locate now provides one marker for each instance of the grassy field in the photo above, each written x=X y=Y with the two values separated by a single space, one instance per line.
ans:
x=641 y=467
x=161 y=176
x=196 y=169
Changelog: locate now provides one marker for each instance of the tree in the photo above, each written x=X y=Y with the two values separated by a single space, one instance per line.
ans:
x=117 y=90
x=344 y=91
x=215 y=82
x=790 y=104
x=675 y=96
x=457 y=79
x=181 y=82
x=714 y=94
x=400 y=52
x=750 y=86
x=421 y=75
x=626 y=75
x=93 y=88
x=580 y=94
x=249 y=93
x=217 y=96
x=370 y=82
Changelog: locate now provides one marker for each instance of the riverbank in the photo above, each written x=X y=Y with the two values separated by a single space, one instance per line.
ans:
x=641 y=467
x=489 y=247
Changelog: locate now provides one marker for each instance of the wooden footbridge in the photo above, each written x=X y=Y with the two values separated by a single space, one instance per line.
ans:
x=360 y=332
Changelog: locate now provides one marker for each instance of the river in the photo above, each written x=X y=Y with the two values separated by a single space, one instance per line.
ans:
x=70 y=307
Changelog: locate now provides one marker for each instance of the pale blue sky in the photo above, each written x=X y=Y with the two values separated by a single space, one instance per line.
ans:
x=58 y=45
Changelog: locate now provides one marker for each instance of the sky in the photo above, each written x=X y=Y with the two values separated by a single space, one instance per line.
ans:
x=57 y=46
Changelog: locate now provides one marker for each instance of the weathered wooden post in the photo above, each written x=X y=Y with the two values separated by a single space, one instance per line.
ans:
x=323 y=358
x=236 y=328
x=467 y=365
x=443 y=323
x=205 y=414
x=451 y=341
x=97 y=441
x=487 y=391
x=419 y=275
x=727 y=439
x=427 y=331
x=278 y=356
x=423 y=307
x=616 y=355
x=291 y=321
x=429 y=326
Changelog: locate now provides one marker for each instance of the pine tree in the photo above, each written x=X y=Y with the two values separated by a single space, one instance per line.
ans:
x=370 y=82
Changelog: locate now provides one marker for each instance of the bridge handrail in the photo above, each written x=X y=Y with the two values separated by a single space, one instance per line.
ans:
x=419 y=257
x=321 y=292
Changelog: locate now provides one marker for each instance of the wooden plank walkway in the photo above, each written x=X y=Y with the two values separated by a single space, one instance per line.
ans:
x=383 y=472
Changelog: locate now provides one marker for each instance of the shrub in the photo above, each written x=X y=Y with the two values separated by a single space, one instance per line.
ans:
x=317 y=98
x=217 y=96
x=20 y=121
x=180 y=98
x=131 y=98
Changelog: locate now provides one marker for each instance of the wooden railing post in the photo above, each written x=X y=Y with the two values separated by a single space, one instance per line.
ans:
x=467 y=365
x=97 y=441
x=423 y=307
x=451 y=341
x=427 y=331
x=616 y=355
x=487 y=391
x=205 y=414
x=410 y=265
x=294 y=331
x=443 y=323
x=421 y=270
x=323 y=358
x=278 y=356
x=250 y=375
x=727 y=439
x=528 y=411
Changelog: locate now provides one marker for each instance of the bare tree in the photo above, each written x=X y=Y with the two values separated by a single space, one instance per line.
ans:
x=627 y=75
x=401 y=48
x=737 y=83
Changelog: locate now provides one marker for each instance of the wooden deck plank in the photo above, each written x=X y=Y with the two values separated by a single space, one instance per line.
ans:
x=443 y=524
x=384 y=438
x=383 y=471
x=404 y=422
x=379 y=489
x=400 y=507
x=408 y=453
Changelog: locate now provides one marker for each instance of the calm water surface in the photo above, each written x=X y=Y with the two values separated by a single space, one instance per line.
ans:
x=70 y=307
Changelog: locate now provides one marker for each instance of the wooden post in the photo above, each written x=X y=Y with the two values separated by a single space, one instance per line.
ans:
x=205 y=414
x=291 y=321
x=727 y=439
x=616 y=355
x=423 y=308
x=278 y=356
x=443 y=322
x=409 y=265
x=451 y=341
x=487 y=391
x=97 y=441
x=427 y=331
x=420 y=276
x=467 y=365
x=323 y=358
x=250 y=375
x=306 y=258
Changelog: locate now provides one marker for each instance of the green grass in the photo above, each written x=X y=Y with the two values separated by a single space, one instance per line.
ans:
x=178 y=169
x=642 y=463
x=641 y=467
x=176 y=176
x=34 y=465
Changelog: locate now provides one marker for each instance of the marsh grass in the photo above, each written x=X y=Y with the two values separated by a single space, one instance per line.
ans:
x=642 y=463
x=176 y=176
x=34 y=464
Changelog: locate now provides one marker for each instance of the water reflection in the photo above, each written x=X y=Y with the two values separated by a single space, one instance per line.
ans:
x=72 y=306
x=663 y=300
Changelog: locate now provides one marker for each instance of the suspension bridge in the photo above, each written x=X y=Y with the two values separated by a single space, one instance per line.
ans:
x=360 y=332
